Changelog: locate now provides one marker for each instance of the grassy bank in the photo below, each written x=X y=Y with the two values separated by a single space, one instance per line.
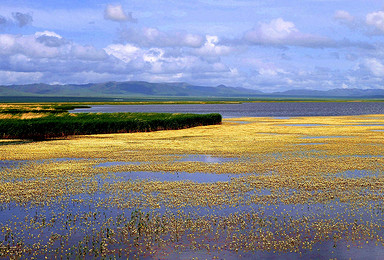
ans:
x=54 y=108
x=62 y=125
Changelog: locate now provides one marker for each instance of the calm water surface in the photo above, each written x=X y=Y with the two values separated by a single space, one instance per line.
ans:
x=261 y=109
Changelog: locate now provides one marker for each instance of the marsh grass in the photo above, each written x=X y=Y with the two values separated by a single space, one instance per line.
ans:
x=14 y=109
x=64 y=124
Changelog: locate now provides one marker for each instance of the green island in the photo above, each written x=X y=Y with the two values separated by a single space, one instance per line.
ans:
x=50 y=121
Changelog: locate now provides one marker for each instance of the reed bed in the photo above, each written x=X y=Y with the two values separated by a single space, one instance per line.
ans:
x=62 y=125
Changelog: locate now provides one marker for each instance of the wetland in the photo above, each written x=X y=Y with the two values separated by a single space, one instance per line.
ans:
x=250 y=187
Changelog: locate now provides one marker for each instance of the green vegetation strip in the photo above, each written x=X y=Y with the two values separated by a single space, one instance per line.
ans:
x=55 y=109
x=62 y=125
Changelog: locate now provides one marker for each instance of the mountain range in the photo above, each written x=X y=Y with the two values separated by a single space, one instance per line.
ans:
x=134 y=89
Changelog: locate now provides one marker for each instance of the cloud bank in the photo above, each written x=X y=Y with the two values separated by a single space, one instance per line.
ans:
x=255 y=45
x=284 y=33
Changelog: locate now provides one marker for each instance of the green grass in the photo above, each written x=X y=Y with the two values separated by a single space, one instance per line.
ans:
x=62 y=125
x=51 y=108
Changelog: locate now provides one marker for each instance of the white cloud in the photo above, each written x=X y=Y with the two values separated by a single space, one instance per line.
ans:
x=47 y=45
x=152 y=37
x=343 y=16
x=13 y=77
x=66 y=62
x=211 y=47
x=48 y=34
x=375 y=67
x=125 y=52
x=376 y=19
x=116 y=13
x=283 y=33
x=50 y=39
x=7 y=43
x=88 y=53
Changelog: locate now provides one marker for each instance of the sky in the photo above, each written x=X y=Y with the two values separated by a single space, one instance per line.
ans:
x=267 y=45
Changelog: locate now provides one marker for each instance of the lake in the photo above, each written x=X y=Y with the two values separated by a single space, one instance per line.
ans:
x=259 y=109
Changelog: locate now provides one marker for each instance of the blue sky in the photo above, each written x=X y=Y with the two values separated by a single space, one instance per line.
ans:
x=269 y=45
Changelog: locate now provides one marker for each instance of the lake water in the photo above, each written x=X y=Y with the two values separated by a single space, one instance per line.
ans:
x=260 y=109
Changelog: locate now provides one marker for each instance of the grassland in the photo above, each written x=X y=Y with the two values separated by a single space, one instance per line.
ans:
x=310 y=187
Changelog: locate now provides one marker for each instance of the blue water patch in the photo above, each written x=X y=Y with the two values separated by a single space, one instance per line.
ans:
x=9 y=163
x=303 y=125
x=367 y=125
x=169 y=176
x=205 y=158
x=325 y=137
x=357 y=174
x=378 y=130
x=366 y=156
x=110 y=164
x=258 y=109
x=242 y=122
x=185 y=158
x=310 y=143
x=281 y=117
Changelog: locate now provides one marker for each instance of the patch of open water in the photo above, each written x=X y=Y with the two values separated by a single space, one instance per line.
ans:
x=278 y=110
x=357 y=174
x=326 y=136
x=310 y=143
x=303 y=125
x=184 y=158
x=178 y=176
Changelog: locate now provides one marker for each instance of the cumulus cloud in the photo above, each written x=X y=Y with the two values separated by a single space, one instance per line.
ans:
x=162 y=63
x=22 y=19
x=12 y=77
x=152 y=37
x=123 y=52
x=50 y=39
x=36 y=53
x=284 y=33
x=375 y=67
x=116 y=13
x=376 y=20
x=212 y=47
x=52 y=58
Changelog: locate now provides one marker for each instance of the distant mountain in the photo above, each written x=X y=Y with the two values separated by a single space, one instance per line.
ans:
x=142 y=89
x=339 y=92
x=126 y=89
